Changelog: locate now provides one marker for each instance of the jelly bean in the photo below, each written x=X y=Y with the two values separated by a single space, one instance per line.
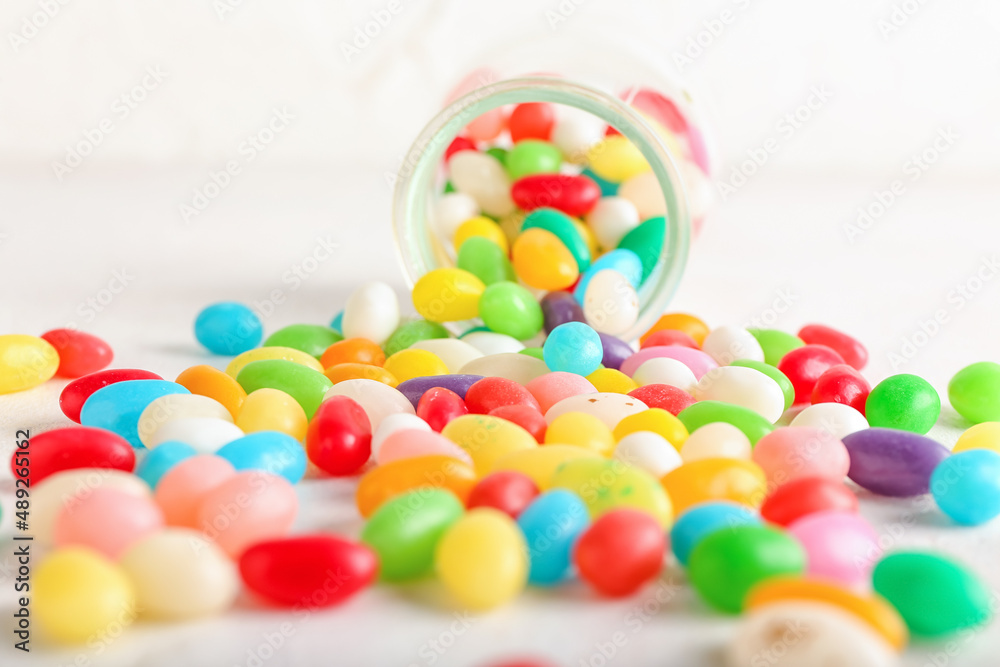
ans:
x=574 y=348
x=616 y=351
x=727 y=344
x=804 y=366
x=352 y=350
x=611 y=219
x=553 y=387
x=582 y=430
x=178 y=574
x=665 y=337
x=312 y=339
x=67 y=487
x=271 y=451
x=78 y=594
x=770 y=371
x=526 y=416
x=625 y=262
x=459 y=144
x=458 y=384
x=506 y=490
x=776 y=344
x=493 y=392
x=587 y=235
x=745 y=387
x=482 y=559
x=620 y=552
x=337 y=323
x=159 y=461
x=378 y=400
x=339 y=436
x=499 y=153
x=610 y=380
x=519 y=368
x=966 y=486
x=980 y=436
x=182 y=488
x=485 y=260
x=646 y=240
x=893 y=463
x=487 y=125
x=560 y=225
x=371 y=312
x=531 y=120
x=663 y=396
x=607 y=485
x=840 y=546
x=297 y=570
x=575 y=131
x=542 y=261
x=205 y=434
x=213 y=383
x=408 y=364
x=665 y=371
x=726 y=564
x=852 y=351
x=412 y=443
x=509 y=308
x=451 y=210
x=551 y=525
x=271 y=353
x=804 y=496
x=408 y=333
x=716 y=440
x=656 y=421
x=406 y=530
x=688 y=324
x=453 y=352
x=541 y=463
x=754 y=426
x=380 y=484
x=85 y=522
x=573 y=195
x=836 y=419
x=790 y=452
x=649 y=451
x=343 y=372
x=398 y=422
x=228 y=328
x=610 y=304
x=905 y=402
x=480 y=226
x=438 y=406
x=703 y=480
x=487 y=438
x=306 y=385
x=842 y=384
x=76 y=393
x=177 y=406
x=79 y=353
x=703 y=519
x=273 y=410
x=609 y=408
x=616 y=159
x=644 y=191
x=909 y=579
x=483 y=178
x=699 y=362
x=70 y=448
x=267 y=509
x=489 y=342
x=531 y=156
x=974 y=392
x=448 y=295
x=117 y=407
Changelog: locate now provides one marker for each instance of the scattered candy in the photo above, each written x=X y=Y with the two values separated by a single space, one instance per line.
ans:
x=25 y=362
x=79 y=353
x=228 y=328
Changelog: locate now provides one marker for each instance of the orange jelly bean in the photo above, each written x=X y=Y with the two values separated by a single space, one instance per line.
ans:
x=699 y=481
x=689 y=324
x=422 y=472
x=541 y=260
x=208 y=381
x=353 y=351
x=357 y=371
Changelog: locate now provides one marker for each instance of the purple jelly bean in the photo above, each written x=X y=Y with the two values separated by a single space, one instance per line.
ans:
x=616 y=351
x=415 y=388
x=893 y=463
x=560 y=308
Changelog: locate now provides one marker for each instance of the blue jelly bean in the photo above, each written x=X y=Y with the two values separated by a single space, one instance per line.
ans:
x=271 y=451
x=966 y=486
x=117 y=407
x=551 y=525
x=608 y=188
x=623 y=261
x=228 y=328
x=161 y=459
x=703 y=519
x=338 y=323
x=573 y=347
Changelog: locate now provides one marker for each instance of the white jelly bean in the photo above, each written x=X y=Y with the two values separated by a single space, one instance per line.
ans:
x=611 y=219
x=453 y=352
x=371 y=312
x=575 y=131
x=377 y=399
x=649 y=451
x=729 y=343
x=451 y=210
x=661 y=370
x=716 y=440
x=521 y=368
x=610 y=304
x=743 y=386
x=396 y=422
x=68 y=487
x=482 y=177
x=836 y=419
x=178 y=406
x=644 y=192
x=205 y=434
x=609 y=407
x=489 y=342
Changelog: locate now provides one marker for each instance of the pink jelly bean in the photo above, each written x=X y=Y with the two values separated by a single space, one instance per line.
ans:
x=180 y=490
x=107 y=520
x=409 y=443
x=793 y=452
x=246 y=508
x=551 y=388
x=841 y=546
x=698 y=361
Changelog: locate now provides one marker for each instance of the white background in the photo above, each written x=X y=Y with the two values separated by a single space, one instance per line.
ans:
x=783 y=235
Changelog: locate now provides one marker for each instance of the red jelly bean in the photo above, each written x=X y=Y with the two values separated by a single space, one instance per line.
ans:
x=71 y=448
x=79 y=353
x=308 y=570
x=620 y=552
x=507 y=490
x=438 y=406
x=842 y=384
x=493 y=392
x=663 y=396
x=573 y=195
x=525 y=416
x=76 y=393
x=531 y=120
x=804 y=365
x=339 y=438
x=851 y=349
x=807 y=495
x=458 y=144
x=668 y=337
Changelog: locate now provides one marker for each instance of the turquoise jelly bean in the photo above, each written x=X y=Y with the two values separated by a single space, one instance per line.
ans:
x=551 y=524
x=271 y=451
x=703 y=519
x=228 y=328
x=161 y=459
x=573 y=347
x=608 y=188
x=966 y=486
x=117 y=407
x=623 y=261
x=337 y=324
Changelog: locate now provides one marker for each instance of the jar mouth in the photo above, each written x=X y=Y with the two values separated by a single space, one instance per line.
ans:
x=419 y=248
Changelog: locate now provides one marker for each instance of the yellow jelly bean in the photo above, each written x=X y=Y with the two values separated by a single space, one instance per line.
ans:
x=658 y=421
x=541 y=463
x=588 y=237
x=275 y=352
x=542 y=261
x=615 y=158
x=483 y=560
x=487 y=439
x=448 y=295
x=208 y=381
x=582 y=430
x=273 y=410
x=79 y=595
x=703 y=480
x=25 y=362
x=604 y=485
x=612 y=380
x=511 y=225
x=980 y=436
x=355 y=371
x=481 y=226
x=411 y=363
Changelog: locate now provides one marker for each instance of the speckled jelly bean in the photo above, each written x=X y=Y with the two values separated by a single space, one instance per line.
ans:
x=582 y=430
x=228 y=328
x=610 y=408
x=606 y=485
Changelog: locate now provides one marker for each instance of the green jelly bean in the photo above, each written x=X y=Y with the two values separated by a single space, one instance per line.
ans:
x=608 y=188
x=752 y=424
x=405 y=531
x=531 y=156
x=309 y=338
x=770 y=371
x=904 y=402
x=974 y=392
x=511 y=309
x=776 y=344
x=646 y=240
x=408 y=333
x=562 y=226
x=448 y=187
x=935 y=596
x=305 y=385
x=535 y=352
x=485 y=260
x=499 y=153
x=726 y=564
